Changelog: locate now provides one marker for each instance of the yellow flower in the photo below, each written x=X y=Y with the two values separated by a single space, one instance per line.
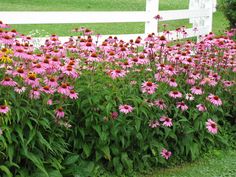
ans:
x=6 y=51
x=5 y=59
x=32 y=75
x=4 y=55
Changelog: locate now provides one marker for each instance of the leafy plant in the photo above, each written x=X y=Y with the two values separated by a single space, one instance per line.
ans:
x=229 y=9
x=77 y=108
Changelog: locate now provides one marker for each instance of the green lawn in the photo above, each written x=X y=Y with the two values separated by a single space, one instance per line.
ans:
x=98 y=5
x=217 y=164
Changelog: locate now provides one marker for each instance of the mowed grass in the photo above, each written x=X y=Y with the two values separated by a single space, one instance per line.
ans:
x=217 y=164
x=98 y=5
x=86 y=5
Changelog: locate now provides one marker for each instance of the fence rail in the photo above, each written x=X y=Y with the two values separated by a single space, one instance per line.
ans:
x=199 y=14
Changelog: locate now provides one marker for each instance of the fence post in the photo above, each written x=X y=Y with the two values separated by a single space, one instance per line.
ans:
x=152 y=8
x=193 y=4
x=209 y=19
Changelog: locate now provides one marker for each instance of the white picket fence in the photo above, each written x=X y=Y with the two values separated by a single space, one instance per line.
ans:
x=199 y=14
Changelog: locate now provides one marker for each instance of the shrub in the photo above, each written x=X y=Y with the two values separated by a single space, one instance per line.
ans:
x=67 y=108
x=229 y=9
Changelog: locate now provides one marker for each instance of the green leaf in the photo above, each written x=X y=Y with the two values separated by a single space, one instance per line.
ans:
x=87 y=150
x=54 y=173
x=43 y=141
x=6 y=170
x=10 y=152
x=194 y=150
x=81 y=130
x=137 y=124
x=98 y=129
x=8 y=136
x=32 y=134
x=20 y=133
x=115 y=150
x=118 y=166
x=28 y=122
x=36 y=161
x=106 y=151
x=108 y=108
x=114 y=131
x=71 y=159
x=104 y=136
x=18 y=114
x=44 y=123
x=3 y=141
x=126 y=161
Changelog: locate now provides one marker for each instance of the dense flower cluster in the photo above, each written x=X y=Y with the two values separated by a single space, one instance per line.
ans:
x=174 y=81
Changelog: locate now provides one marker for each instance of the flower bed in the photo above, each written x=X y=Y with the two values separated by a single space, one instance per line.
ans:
x=125 y=105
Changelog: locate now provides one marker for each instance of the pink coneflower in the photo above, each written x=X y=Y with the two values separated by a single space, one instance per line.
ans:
x=166 y=154
x=201 y=107
x=70 y=71
x=162 y=40
x=148 y=87
x=172 y=83
x=142 y=60
x=73 y=94
x=169 y=70
x=88 y=32
x=137 y=41
x=149 y=38
x=54 y=62
x=160 y=66
x=189 y=97
x=49 y=102
x=60 y=113
x=89 y=46
x=19 y=89
x=160 y=104
x=126 y=65
x=211 y=126
x=52 y=82
x=38 y=69
x=161 y=77
x=154 y=124
x=190 y=81
x=166 y=121
x=125 y=108
x=214 y=76
x=47 y=89
x=94 y=57
x=117 y=73
x=208 y=81
x=195 y=29
x=214 y=100
x=196 y=90
x=6 y=38
x=182 y=106
x=19 y=72
x=228 y=83
x=34 y=93
x=20 y=53
x=157 y=17
x=64 y=89
x=2 y=25
x=4 y=109
x=195 y=75
x=114 y=115
x=123 y=52
x=32 y=80
x=175 y=94
x=8 y=82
